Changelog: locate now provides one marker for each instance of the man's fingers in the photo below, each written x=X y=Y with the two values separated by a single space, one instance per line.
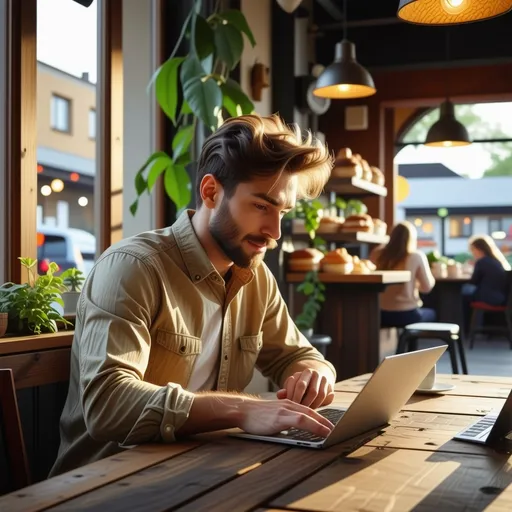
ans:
x=313 y=390
x=289 y=385
x=302 y=385
x=311 y=424
x=302 y=409
x=281 y=394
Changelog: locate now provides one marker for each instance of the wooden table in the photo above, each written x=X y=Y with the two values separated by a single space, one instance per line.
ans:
x=446 y=299
x=413 y=465
x=350 y=315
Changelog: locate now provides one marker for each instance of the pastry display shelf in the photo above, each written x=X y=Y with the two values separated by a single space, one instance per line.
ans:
x=355 y=187
x=340 y=237
x=377 y=277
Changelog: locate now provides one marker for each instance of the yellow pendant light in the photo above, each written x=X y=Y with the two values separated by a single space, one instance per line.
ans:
x=451 y=12
x=345 y=78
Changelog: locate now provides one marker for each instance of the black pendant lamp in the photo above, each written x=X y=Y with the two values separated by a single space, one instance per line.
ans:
x=345 y=78
x=447 y=131
x=451 y=12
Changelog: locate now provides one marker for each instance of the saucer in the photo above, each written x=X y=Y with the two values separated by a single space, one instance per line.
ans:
x=438 y=387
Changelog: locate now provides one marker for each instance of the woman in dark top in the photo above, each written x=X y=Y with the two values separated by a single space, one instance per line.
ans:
x=489 y=280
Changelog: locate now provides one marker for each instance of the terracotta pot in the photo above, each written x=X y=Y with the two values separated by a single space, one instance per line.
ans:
x=3 y=323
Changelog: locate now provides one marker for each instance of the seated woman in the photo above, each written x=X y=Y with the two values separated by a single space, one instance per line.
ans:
x=489 y=282
x=401 y=304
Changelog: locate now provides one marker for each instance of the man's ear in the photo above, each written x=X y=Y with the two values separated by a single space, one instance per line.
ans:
x=211 y=191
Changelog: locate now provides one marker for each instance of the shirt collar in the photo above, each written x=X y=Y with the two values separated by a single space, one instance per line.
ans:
x=196 y=260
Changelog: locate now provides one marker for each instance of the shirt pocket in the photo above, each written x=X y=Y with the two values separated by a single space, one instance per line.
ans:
x=250 y=347
x=172 y=358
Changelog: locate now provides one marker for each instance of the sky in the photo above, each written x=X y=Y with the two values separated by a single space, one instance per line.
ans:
x=67 y=36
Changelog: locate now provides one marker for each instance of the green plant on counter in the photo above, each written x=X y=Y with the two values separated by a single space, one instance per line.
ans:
x=350 y=207
x=73 y=279
x=314 y=290
x=196 y=88
x=31 y=305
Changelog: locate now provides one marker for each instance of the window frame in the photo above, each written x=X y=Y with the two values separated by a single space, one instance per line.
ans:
x=69 y=103
x=462 y=236
x=94 y=124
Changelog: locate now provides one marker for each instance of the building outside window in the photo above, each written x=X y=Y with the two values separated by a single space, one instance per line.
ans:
x=460 y=227
x=60 y=114
x=92 y=123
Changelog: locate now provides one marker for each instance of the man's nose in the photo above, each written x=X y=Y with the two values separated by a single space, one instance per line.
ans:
x=272 y=227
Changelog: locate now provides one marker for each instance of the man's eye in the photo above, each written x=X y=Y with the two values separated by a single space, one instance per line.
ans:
x=261 y=207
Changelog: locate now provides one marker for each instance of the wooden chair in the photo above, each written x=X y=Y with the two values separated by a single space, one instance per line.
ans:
x=15 y=444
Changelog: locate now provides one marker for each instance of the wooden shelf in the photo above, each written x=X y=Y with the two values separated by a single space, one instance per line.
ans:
x=378 y=277
x=18 y=344
x=355 y=187
x=359 y=237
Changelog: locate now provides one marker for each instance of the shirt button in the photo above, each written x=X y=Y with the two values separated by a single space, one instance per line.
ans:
x=182 y=349
x=168 y=428
x=226 y=357
x=197 y=277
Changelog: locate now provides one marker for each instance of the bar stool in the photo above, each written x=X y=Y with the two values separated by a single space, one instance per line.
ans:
x=449 y=333
x=320 y=342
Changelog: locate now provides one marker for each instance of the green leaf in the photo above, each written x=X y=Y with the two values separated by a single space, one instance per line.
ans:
x=184 y=159
x=228 y=44
x=235 y=101
x=134 y=206
x=203 y=96
x=308 y=288
x=177 y=185
x=140 y=183
x=237 y=19
x=181 y=141
x=204 y=45
x=207 y=64
x=185 y=109
x=157 y=168
x=166 y=87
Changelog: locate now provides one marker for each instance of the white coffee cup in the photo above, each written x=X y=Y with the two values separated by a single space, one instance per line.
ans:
x=429 y=381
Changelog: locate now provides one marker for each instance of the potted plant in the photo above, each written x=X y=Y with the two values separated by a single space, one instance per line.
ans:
x=73 y=280
x=4 y=317
x=195 y=91
x=314 y=289
x=31 y=306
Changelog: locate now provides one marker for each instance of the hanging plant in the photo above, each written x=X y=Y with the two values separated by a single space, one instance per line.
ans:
x=196 y=88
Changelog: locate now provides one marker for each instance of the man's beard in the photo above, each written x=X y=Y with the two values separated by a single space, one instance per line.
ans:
x=226 y=232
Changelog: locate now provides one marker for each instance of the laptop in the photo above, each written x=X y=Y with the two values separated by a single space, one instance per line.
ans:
x=386 y=392
x=493 y=430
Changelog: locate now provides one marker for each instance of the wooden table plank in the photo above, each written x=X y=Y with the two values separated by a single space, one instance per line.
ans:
x=444 y=404
x=174 y=482
x=69 y=485
x=430 y=432
x=251 y=489
x=465 y=385
x=380 y=479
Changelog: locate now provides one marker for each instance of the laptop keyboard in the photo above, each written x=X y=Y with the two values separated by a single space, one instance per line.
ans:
x=333 y=415
x=480 y=426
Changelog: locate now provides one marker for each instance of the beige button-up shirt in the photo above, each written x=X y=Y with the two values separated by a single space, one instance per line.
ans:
x=138 y=326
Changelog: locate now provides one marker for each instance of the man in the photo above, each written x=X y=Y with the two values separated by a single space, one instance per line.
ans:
x=171 y=323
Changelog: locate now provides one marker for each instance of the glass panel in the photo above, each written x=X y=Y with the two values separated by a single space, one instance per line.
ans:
x=66 y=96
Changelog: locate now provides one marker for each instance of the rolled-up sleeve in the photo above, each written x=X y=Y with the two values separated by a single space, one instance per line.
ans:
x=283 y=343
x=119 y=300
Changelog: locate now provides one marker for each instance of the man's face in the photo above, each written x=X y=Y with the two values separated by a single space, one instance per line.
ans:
x=247 y=224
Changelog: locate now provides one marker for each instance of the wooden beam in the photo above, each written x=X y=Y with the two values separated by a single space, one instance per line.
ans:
x=21 y=137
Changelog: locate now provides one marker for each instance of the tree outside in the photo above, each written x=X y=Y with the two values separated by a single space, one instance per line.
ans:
x=479 y=128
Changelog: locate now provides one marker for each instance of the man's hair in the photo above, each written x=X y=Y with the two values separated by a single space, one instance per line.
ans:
x=252 y=146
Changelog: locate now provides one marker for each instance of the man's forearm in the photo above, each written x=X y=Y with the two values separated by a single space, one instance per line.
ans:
x=214 y=411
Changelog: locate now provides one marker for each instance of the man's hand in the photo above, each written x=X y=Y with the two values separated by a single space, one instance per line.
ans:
x=268 y=417
x=311 y=388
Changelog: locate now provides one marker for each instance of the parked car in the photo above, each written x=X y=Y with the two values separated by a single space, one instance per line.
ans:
x=68 y=248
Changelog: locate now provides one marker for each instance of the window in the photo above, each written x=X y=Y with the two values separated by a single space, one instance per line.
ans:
x=92 y=123
x=60 y=114
x=425 y=227
x=500 y=228
x=494 y=225
x=460 y=227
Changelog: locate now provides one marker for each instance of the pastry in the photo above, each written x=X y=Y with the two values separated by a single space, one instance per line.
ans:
x=359 y=222
x=305 y=260
x=379 y=227
x=367 y=171
x=346 y=167
x=360 y=266
x=338 y=261
x=371 y=266
x=377 y=176
x=330 y=224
